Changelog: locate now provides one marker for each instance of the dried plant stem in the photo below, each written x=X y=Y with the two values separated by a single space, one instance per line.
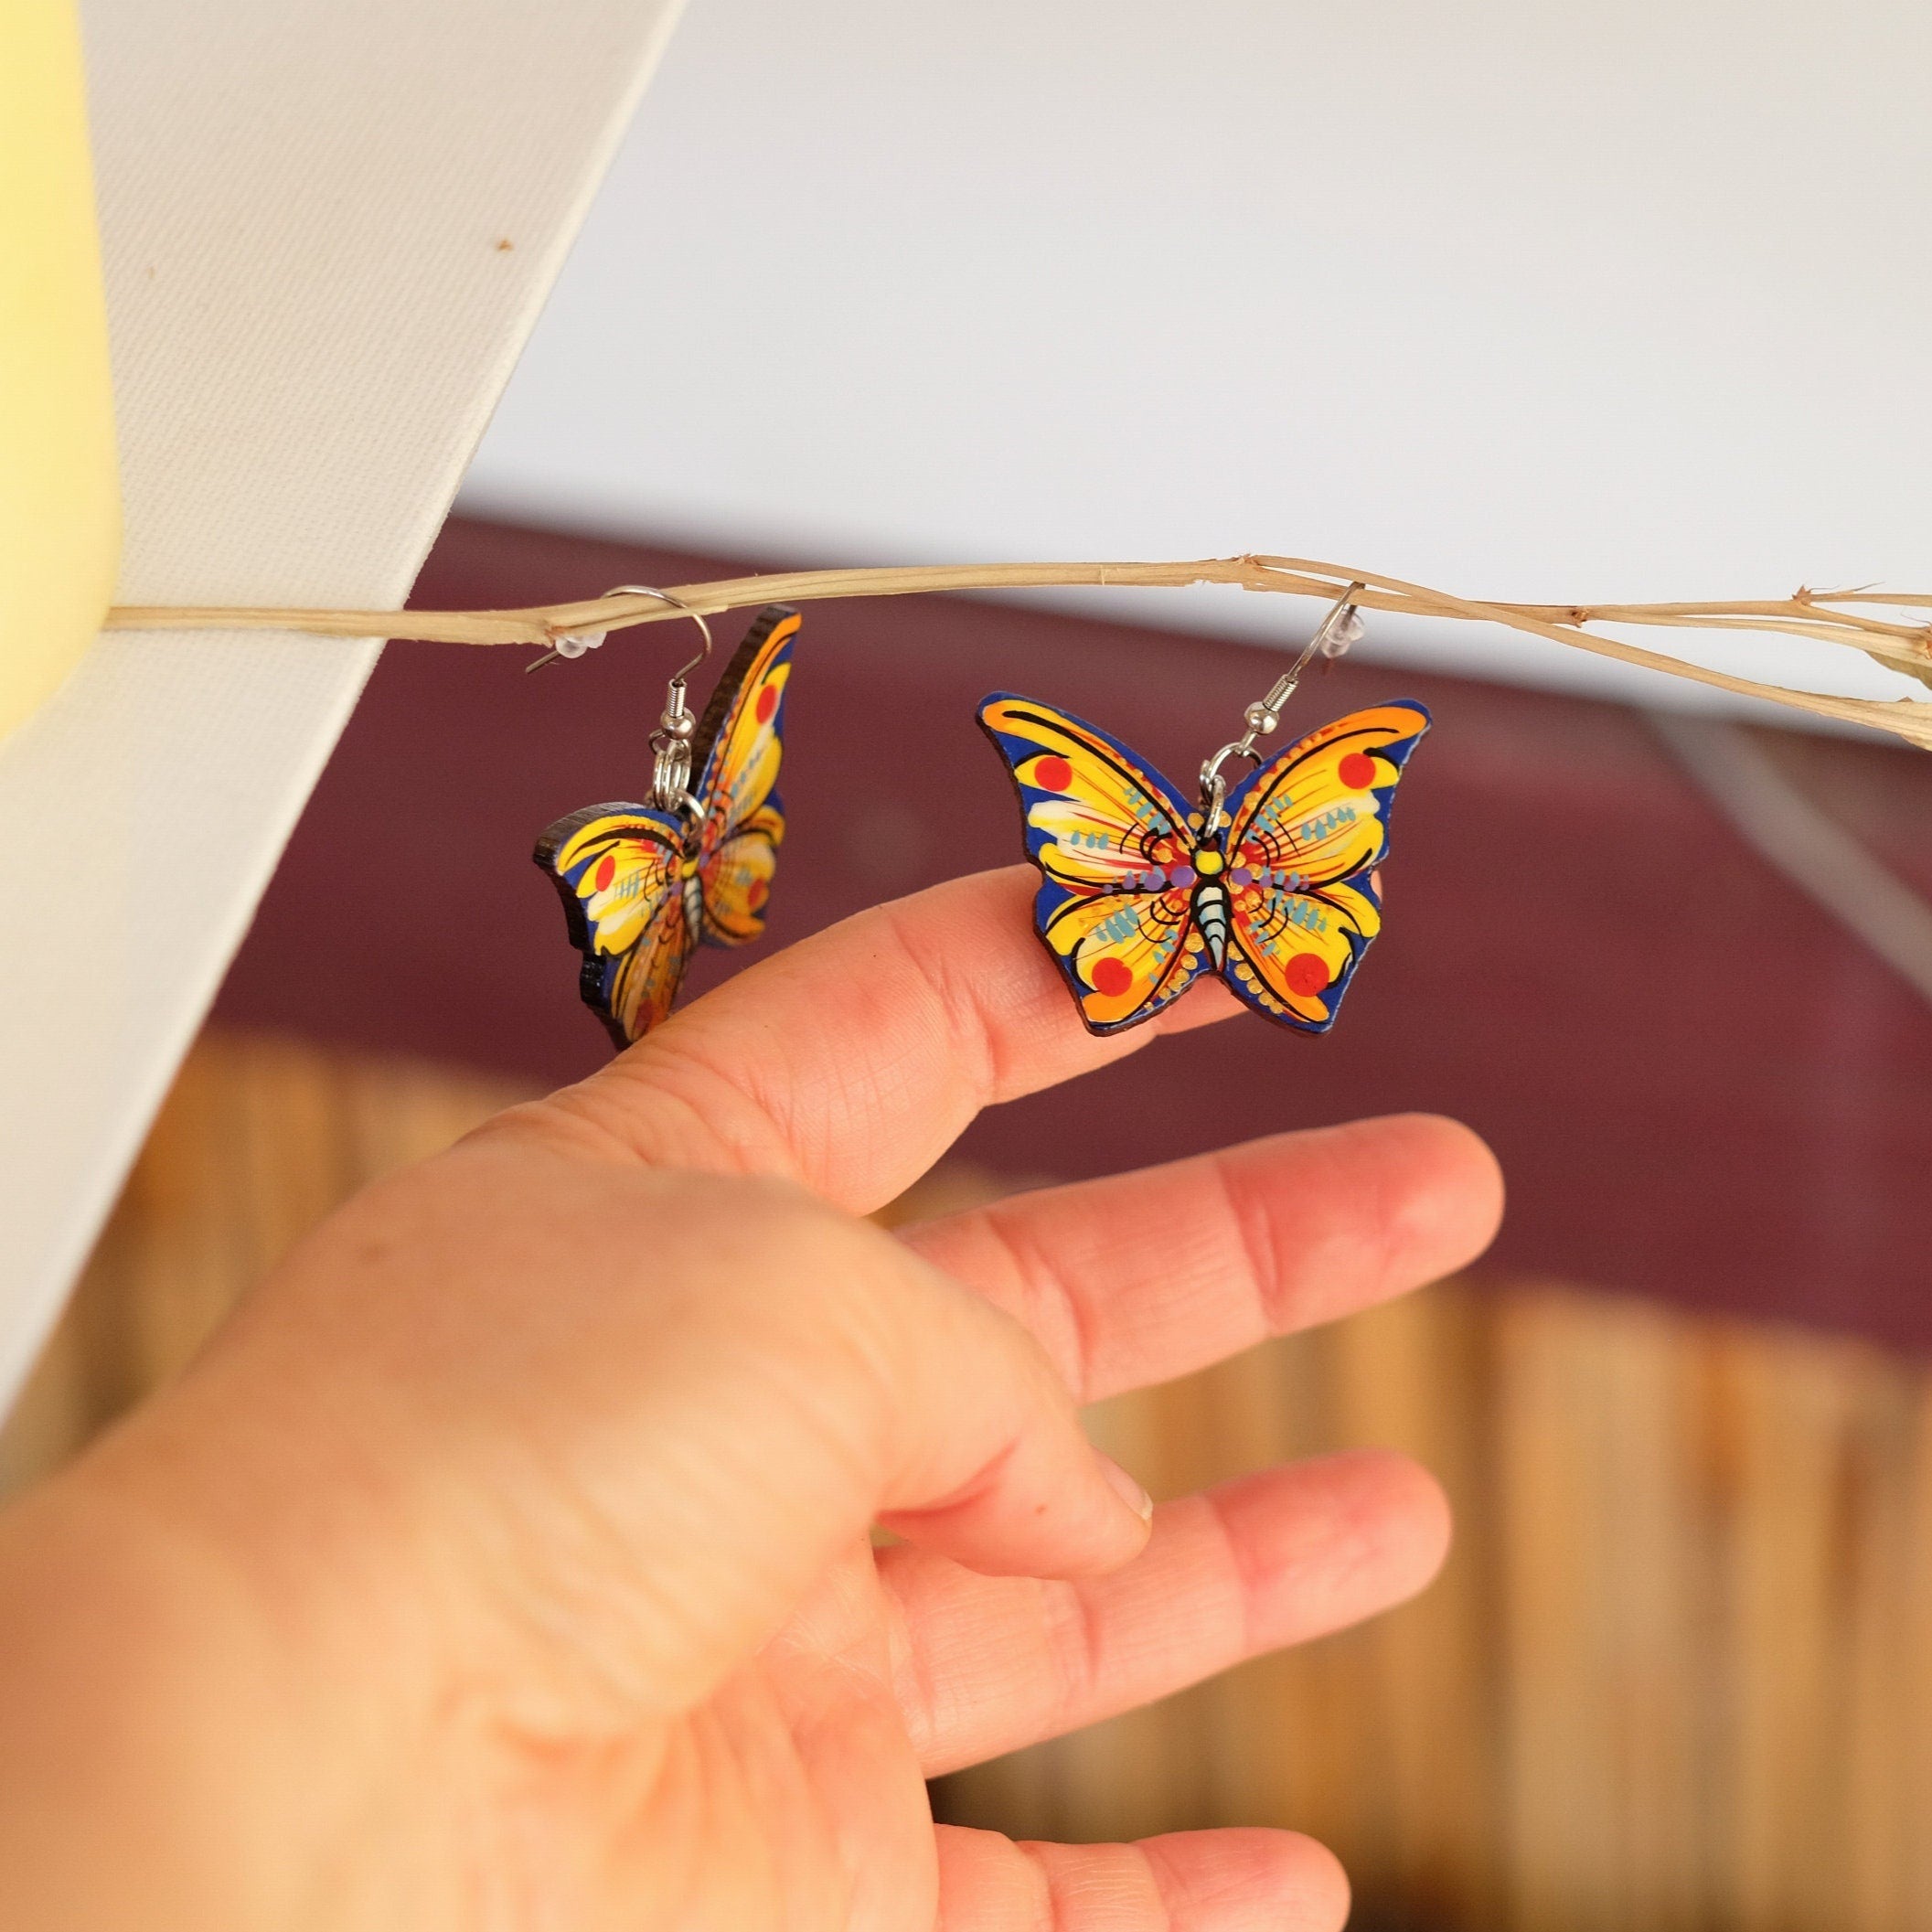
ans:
x=1901 y=647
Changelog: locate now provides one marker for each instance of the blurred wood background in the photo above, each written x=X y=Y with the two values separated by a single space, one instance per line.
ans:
x=1675 y=1677
x=259 y=1139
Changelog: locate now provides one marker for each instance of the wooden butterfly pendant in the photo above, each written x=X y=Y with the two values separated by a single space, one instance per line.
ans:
x=1272 y=886
x=643 y=886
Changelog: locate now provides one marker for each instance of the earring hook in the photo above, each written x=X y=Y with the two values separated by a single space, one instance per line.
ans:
x=1333 y=635
x=574 y=643
x=671 y=741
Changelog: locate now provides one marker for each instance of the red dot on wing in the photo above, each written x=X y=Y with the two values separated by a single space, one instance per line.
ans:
x=767 y=703
x=606 y=871
x=1357 y=771
x=1052 y=775
x=756 y=893
x=1306 y=974
x=1111 y=978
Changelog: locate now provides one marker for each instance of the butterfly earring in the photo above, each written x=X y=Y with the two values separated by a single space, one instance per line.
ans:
x=1272 y=885
x=644 y=885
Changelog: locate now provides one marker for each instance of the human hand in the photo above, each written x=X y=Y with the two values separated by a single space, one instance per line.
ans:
x=504 y=1562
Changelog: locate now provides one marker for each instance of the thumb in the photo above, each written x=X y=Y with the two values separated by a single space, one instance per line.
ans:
x=990 y=1465
x=822 y=1378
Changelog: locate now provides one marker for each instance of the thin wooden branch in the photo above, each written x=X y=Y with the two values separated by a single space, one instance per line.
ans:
x=1901 y=647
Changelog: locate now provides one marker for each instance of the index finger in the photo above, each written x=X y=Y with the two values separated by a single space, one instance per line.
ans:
x=853 y=1059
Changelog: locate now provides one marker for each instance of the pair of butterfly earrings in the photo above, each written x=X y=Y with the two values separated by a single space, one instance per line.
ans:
x=1271 y=882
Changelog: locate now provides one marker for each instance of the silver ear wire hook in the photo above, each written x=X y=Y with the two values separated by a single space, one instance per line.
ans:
x=576 y=643
x=1333 y=635
x=671 y=741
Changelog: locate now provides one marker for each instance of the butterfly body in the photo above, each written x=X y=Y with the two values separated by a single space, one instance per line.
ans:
x=1210 y=901
x=643 y=886
x=1274 y=888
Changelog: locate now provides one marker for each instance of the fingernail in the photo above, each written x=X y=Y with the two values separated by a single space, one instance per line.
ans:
x=1127 y=1489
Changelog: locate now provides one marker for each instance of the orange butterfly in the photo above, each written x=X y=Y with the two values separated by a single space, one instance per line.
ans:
x=1274 y=888
x=642 y=887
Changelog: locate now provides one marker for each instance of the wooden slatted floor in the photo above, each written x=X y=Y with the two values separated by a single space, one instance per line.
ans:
x=1678 y=1677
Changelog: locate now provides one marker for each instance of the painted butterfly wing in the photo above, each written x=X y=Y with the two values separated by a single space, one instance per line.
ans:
x=640 y=990
x=618 y=869
x=737 y=879
x=1306 y=832
x=736 y=750
x=1125 y=955
x=1105 y=832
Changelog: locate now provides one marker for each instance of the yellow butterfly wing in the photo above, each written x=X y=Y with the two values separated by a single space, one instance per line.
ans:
x=616 y=868
x=1125 y=955
x=1097 y=817
x=1304 y=835
x=643 y=982
x=1105 y=831
x=740 y=744
x=738 y=879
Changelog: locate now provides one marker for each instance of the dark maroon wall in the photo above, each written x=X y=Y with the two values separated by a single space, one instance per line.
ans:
x=1700 y=1086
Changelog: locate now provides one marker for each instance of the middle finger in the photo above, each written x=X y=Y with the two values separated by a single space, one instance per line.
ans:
x=1140 y=1277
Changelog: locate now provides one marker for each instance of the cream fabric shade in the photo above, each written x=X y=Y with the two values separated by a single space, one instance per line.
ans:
x=329 y=226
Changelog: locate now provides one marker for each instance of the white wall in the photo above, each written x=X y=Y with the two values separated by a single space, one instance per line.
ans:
x=1596 y=298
